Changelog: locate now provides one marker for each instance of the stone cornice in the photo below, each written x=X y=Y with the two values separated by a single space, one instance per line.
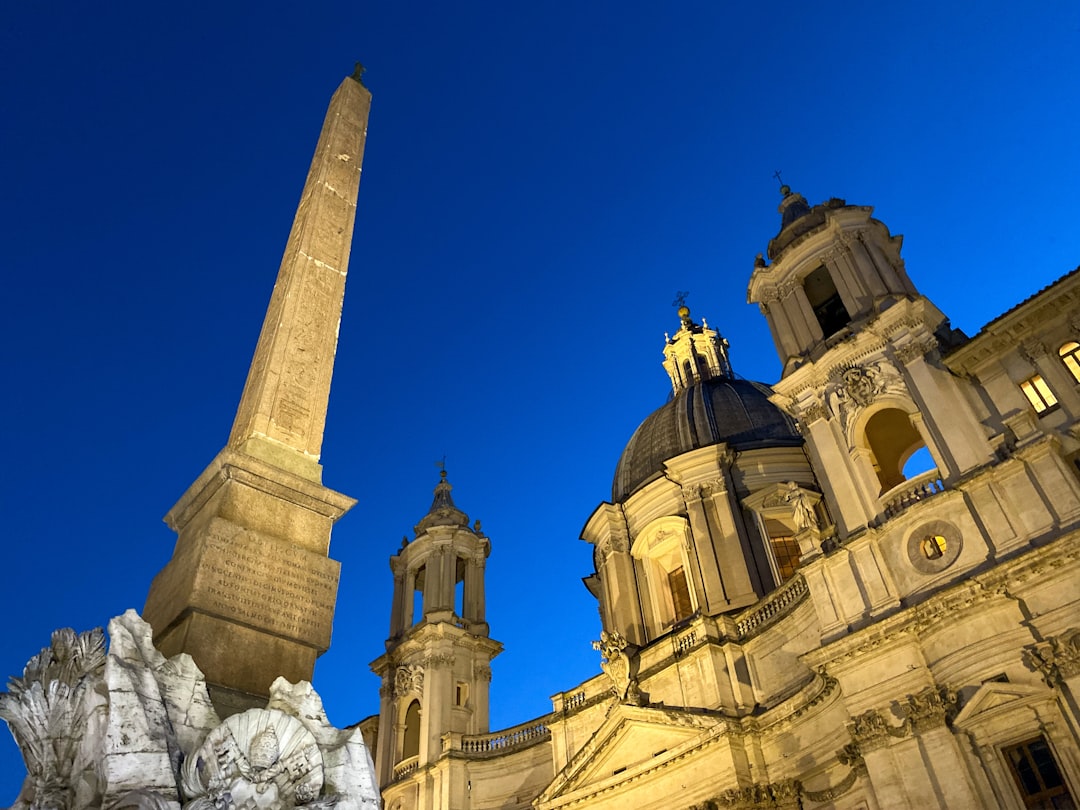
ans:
x=233 y=466
x=1002 y=334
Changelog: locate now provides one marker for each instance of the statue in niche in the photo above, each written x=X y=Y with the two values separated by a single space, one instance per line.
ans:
x=801 y=508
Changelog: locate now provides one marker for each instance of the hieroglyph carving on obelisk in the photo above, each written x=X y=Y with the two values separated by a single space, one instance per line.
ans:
x=282 y=411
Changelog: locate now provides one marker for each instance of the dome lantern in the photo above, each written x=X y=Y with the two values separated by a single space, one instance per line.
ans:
x=696 y=353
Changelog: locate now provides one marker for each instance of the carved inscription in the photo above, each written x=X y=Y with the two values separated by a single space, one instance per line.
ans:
x=272 y=586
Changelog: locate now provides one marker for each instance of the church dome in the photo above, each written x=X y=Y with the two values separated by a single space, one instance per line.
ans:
x=721 y=409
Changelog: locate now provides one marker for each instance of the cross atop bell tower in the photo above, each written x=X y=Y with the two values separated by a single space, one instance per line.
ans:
x=250 y=591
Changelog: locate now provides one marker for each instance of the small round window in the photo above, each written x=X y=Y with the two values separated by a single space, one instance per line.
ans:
x=933 y=546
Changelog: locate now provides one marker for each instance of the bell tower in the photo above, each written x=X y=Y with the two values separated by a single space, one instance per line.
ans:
x=861 y=352
x=437 y=667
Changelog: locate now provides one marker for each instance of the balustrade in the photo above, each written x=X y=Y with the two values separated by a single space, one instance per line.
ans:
x=777 y=604
x=520 y=736
x=405 y=767
x=911 y=491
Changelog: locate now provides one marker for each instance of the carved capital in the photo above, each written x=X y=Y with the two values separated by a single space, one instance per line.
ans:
x=930 y=708
x=782 y=794
x=610 y=545
x=1032 y=349
x=439 y=659
x=482 y=672
x=1057 y=658
x=870 y=731
x=787 y=288
x=812 y=413
x=915 y=349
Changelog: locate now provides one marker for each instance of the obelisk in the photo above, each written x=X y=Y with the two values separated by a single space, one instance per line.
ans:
x=250 y=590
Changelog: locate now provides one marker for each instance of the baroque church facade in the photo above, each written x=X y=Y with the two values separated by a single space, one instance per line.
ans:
x=795 y=615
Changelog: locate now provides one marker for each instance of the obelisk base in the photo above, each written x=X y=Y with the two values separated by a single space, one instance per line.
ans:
x=249 y=592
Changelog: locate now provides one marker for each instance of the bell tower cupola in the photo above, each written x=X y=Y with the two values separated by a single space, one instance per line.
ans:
x=436 y=671
x=832 y=266
x=696 y=353
x=885 y=421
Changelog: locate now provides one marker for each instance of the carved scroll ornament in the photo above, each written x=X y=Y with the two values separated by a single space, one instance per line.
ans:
x=408 y=679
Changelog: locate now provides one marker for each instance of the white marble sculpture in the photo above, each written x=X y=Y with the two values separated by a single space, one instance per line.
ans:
x=132 y=730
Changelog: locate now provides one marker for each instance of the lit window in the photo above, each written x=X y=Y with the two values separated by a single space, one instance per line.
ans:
x=786 y=553
x=1037 y=775
x=680 y=594
x=933 y=547
x=1039 y=394
x=1070 y=356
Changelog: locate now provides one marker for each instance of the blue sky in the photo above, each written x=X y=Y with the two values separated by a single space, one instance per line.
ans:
x=540 y=179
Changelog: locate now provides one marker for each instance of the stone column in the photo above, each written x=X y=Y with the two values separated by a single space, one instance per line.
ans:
x=397 y=607
x=801 y=316
x=956 y=427
x=783 y=333
x=730 y=543
x=703 y=547
x=871 y=733
x=846 y=497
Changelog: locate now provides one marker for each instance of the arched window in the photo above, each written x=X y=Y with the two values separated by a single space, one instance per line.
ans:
x=410 y=746
x=418 y=595
x=832 y=315
x=688 y=372
x=892 y=440
x=1070 y=356
x=667 y=587
x=459 y=587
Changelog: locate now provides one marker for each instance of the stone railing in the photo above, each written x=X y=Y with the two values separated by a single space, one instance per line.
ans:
x=911 y=491
x=574 y=700
x=685 y=642
x=595 y=689
x=405 y=767
x=509 y=739
x=776 y=605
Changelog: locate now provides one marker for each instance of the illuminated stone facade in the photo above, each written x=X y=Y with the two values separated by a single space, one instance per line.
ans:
x=794 y=613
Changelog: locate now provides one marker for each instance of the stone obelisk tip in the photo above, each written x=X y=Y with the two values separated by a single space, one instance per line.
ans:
x=282 y=411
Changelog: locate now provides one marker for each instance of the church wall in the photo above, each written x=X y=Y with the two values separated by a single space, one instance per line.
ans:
x=773 y=656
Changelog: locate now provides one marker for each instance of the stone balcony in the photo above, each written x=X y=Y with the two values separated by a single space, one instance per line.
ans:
x=911 y=491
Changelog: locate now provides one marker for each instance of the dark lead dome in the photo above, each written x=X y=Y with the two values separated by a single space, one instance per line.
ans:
x=718 y=410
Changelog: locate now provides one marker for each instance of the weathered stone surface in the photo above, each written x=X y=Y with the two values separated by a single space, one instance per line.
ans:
x=249 y=592
x=135 y=730
x=282 y=411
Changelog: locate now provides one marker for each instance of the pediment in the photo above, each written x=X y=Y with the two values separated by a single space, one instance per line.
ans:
x=630 y=739
x=993 y=698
